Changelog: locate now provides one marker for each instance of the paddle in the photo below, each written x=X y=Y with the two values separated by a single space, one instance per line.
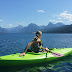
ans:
x=56 y=54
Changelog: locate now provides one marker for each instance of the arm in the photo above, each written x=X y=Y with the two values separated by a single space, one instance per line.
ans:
x=43 y=48
x=28 y=45
x=46 y=49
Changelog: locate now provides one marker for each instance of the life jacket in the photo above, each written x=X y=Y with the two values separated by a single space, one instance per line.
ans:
x=37 y=47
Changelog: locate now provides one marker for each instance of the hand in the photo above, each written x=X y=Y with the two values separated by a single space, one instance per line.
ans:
x=22 y=54
x=47 y=49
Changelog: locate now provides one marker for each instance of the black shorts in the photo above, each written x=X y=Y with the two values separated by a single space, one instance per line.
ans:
x=29 y=50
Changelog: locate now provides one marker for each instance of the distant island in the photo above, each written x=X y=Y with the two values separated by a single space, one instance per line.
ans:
x=50 y=28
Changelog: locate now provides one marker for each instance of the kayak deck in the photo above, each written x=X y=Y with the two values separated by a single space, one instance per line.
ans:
x=32 y=58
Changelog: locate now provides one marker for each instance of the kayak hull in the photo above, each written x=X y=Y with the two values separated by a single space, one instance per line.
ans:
x=32 y=58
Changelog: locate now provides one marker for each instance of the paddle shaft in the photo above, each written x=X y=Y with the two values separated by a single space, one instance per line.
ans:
x=54 y=53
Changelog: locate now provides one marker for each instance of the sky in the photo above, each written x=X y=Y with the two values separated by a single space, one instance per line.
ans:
x=40 y=12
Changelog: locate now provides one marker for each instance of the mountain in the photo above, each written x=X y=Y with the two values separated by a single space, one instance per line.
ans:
x=62 y=29
x=15 y=29
x=30 y=28
x=51 y=25
x=42 y=27
x=3 y=30
x=50 y=28
x=59 y=24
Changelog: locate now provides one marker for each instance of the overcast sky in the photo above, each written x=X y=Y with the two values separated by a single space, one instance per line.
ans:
x=40 y=12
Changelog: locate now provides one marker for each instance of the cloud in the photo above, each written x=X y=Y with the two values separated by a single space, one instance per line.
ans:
x=59 y=18
x=52 y=20
x=41 y=11
x=59 y=21
x=55 y=21
x=1 y=20
x=10 y=25
x=66 y=16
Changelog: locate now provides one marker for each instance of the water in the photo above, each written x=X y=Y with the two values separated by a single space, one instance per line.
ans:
x=16 y=43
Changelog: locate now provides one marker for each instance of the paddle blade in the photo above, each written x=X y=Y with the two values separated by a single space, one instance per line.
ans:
x=57 y=54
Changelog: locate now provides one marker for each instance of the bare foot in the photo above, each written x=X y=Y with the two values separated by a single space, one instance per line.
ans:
x=22 y=54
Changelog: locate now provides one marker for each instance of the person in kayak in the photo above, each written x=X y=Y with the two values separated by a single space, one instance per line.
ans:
x=36 y=44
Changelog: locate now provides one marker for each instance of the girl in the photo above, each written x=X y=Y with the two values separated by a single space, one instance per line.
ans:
x=36 y=44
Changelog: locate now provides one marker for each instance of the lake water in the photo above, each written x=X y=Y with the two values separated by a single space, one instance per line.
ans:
x=16 y=43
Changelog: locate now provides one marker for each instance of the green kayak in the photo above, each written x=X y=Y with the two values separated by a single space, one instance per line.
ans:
x=32 y=58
